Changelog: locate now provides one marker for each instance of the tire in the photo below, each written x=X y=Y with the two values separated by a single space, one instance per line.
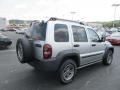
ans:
x=24 y=50
x=65 y=74
x=107 y=60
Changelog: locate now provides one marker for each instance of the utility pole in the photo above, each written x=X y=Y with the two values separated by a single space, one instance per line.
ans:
x=115 y=5
x=72 y=13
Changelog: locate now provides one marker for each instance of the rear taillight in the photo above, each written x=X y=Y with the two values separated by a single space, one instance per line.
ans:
x=47 y=51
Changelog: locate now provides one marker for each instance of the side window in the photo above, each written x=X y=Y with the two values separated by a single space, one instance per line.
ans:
x=61 y=33
x=79 y=34
x=93 y=35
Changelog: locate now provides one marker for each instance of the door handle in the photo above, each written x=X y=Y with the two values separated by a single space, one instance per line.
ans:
x=93 y=45
x=76 y=45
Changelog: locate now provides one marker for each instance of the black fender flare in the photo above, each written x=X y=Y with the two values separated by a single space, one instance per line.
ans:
x=107 y=49
x=69 y=54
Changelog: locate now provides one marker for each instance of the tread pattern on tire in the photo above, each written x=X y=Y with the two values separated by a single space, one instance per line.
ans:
x=105 y=58
x=62 y=66
x=27 y=50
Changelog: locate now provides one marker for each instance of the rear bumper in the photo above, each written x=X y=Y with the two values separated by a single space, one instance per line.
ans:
x=46 y=65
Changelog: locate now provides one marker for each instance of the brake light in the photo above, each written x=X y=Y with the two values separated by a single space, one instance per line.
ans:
x=47 y=51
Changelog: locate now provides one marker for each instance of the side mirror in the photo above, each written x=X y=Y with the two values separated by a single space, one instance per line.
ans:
x=102 y=39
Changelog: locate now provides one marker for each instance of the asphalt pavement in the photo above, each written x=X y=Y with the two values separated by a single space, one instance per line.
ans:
x=16 y=76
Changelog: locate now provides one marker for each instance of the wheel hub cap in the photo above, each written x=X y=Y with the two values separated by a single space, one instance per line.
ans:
x=68 y=72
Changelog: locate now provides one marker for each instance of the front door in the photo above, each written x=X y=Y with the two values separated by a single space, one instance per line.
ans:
x=97 y=48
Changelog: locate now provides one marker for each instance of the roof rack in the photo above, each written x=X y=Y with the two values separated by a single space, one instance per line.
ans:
x=54 y=19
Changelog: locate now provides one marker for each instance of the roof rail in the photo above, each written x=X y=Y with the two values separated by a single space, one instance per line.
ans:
x=54 y=19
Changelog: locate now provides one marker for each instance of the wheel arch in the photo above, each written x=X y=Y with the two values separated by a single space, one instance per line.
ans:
x=74 y=57
x=112 y=49
x=107 y=49
x=69 y=54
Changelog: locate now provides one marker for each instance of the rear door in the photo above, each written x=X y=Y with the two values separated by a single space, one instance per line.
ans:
x=80 y=43
x=61 y=38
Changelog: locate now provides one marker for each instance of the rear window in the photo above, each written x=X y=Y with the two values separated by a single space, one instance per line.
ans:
x=38 y=31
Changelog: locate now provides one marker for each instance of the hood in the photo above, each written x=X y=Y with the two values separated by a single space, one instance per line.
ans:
x=116 y=38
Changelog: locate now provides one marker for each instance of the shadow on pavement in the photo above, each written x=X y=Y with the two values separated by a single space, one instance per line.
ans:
x=32 y=79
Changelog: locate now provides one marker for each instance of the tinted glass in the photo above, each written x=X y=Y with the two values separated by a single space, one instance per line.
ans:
x=79 y=34
x=61 y=33
x=38 y=31
x=93 y=36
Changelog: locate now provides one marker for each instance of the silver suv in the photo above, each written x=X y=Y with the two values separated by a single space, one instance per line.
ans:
x=63 y=46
